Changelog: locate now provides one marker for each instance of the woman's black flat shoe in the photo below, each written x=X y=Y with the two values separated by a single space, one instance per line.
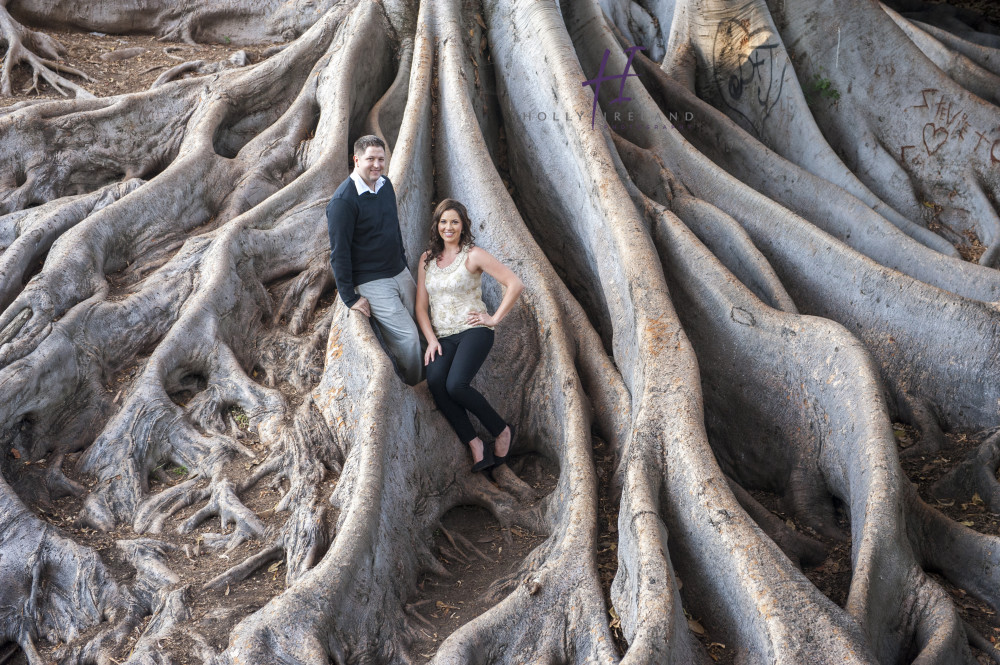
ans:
x=498 y=459
x=483 y=464
x=488 y=461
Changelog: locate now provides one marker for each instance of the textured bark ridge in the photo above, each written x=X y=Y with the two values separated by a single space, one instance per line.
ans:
x=743 y=262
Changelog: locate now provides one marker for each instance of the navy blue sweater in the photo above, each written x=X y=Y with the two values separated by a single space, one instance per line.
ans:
x=365 y=241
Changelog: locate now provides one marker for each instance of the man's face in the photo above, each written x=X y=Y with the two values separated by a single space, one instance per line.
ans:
x=369 y=165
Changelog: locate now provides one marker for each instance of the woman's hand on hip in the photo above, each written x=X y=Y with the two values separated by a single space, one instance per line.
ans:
x=480 y=319
x=432 y=348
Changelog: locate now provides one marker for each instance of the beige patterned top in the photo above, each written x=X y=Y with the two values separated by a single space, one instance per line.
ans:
x=453 y=292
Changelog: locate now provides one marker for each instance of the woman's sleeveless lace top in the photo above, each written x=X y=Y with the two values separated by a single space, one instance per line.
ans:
x=453 y=292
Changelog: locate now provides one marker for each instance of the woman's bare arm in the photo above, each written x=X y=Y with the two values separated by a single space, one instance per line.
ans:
x=481 y=260
x=421 y=312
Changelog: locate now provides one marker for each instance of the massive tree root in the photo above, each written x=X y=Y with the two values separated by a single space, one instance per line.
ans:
x=739 y=304
x=942 y=132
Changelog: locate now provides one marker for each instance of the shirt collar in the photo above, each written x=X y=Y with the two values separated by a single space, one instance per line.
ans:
x=362 y=187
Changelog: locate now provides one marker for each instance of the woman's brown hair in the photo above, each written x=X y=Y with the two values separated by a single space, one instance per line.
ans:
x=435 y=245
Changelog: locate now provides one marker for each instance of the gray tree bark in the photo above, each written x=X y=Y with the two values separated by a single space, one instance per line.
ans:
x=739 y=286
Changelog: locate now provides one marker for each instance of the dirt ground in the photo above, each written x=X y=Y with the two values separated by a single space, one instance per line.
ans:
x=924 y=471
x=988 y=8
x=99 y=56
x=480 y=557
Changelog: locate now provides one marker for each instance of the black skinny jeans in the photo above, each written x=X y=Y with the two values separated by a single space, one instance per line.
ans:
x=449 y=377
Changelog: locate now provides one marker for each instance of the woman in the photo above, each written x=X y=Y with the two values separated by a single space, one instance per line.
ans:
x=459 y=330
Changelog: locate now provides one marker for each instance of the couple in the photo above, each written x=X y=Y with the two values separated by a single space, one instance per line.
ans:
x=369 y=264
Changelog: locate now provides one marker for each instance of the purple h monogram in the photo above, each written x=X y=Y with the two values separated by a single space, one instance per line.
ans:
x=631 y=51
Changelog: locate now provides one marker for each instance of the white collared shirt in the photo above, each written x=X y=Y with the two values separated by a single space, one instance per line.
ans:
x=362 y=186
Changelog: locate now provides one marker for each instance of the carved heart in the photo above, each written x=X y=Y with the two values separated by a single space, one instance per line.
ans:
x=934 y=137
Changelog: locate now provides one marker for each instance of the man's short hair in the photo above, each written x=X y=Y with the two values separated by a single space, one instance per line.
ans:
x=365 y=142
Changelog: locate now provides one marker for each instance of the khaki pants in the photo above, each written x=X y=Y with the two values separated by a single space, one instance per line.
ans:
x=392 y=300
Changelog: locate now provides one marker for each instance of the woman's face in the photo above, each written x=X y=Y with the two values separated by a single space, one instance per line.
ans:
x=450 y=226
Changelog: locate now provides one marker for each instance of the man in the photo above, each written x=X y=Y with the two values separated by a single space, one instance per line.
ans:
x=367 y=255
